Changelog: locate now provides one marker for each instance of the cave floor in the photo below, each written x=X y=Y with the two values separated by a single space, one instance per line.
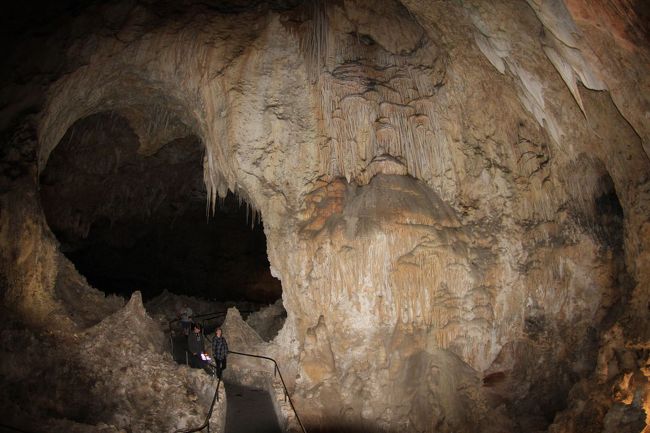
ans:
x=249 y=410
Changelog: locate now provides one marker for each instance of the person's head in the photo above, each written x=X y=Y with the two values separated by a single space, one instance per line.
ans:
x=196 y=328
x=217 y=332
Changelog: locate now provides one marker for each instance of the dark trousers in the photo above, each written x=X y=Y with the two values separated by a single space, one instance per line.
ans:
x=195 y=360
x=186 y=326
x=221 y=366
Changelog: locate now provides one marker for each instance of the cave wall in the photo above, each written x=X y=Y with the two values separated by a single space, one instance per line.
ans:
x=434 y=181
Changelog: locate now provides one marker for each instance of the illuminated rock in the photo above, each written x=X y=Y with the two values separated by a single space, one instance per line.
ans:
x=455 y=195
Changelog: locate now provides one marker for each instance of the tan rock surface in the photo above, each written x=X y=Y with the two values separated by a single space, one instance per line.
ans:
x=114 y=376
x=455 y=196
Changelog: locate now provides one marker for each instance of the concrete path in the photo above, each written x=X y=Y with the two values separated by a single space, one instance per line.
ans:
x=249 y=410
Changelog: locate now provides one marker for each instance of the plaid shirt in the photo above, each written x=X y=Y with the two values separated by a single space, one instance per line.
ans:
x=219 y=348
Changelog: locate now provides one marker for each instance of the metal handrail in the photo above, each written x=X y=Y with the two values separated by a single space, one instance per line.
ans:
x=208 y=416
x=196 y=316
x=170 y=322
x=278 y=372
x=205 y=316
x=219 y=314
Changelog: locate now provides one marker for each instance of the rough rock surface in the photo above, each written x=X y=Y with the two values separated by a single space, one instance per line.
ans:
x=268 y=321
x=167 y=305
x=113 y=376
x=455 y=195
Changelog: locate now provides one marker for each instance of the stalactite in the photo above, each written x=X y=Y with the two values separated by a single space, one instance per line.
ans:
x=315 y=43
x=368 y=111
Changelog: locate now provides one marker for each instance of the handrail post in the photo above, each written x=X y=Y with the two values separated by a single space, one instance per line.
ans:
x=171 y=337
x=276 y=371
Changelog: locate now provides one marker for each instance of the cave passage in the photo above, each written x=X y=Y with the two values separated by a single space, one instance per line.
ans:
x=134 y=221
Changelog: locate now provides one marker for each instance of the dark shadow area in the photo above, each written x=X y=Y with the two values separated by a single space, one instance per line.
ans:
x=343 y=427
x=133 y=221
x=249 y=410
x=609 y=215
x=36 y=374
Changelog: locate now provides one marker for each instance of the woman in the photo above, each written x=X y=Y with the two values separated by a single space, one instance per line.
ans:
x=219 y=351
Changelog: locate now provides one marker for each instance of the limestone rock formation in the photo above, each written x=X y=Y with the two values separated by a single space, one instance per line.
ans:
x=114 y=376
x=455 y=195
x=268 y=321
x=167 y=305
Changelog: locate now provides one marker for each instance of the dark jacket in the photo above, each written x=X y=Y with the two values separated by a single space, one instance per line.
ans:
x=219 y=348
x=195 y=342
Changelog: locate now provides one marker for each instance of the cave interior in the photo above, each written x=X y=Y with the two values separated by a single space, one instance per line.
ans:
x=403 y=216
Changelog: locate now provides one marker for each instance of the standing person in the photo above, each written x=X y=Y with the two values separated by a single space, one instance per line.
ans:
x=219 y=351
x=186 y=314
x=195 y=346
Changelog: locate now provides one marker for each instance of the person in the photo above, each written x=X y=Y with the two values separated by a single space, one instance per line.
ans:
x=219 y=351
x=186 y=314
x=195 y=346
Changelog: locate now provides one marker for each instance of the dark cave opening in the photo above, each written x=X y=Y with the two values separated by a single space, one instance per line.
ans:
x=609 y=214
x=134 y=221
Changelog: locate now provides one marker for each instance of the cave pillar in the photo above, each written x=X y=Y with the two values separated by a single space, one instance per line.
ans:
x=29 y=258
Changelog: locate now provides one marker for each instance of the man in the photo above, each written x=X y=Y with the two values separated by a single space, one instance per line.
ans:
x=219 y=351
x=195 y=346
x=186 y=314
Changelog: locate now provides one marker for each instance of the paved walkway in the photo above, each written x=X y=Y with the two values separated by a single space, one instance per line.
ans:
x=250 y=410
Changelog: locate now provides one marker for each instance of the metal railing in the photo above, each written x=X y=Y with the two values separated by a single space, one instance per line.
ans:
x=206 y=424
x=276 y=372
x=205 y=317
x=198 y=316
